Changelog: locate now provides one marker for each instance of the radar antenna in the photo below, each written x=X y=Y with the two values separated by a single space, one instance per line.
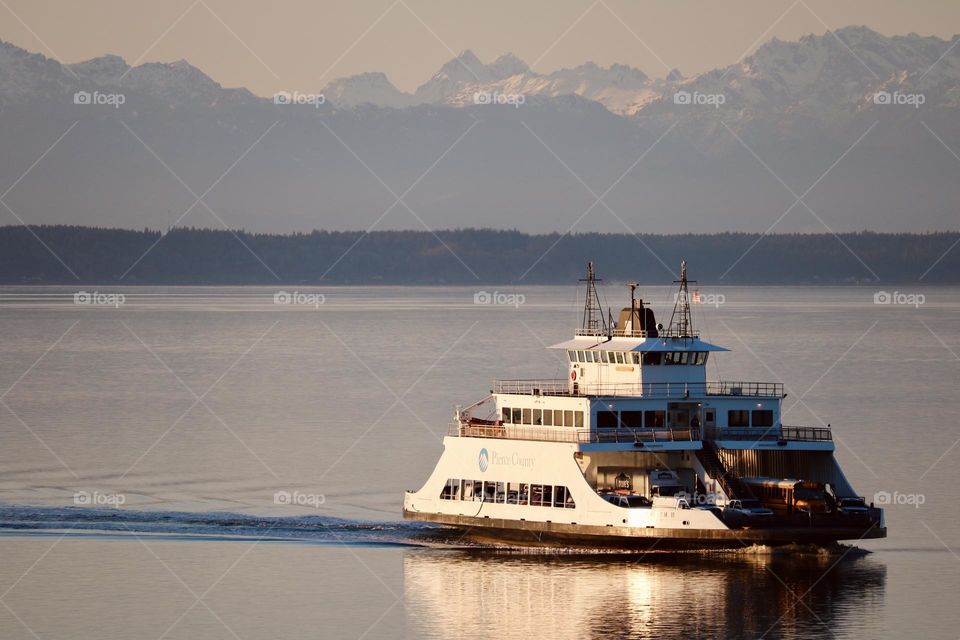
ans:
x=681 y=321
x=594 y=322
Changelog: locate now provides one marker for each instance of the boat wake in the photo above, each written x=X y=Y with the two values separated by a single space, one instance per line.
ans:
x=24 y=519
x=310 y=529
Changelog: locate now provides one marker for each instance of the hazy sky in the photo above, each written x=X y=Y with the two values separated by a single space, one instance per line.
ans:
x=303 y=44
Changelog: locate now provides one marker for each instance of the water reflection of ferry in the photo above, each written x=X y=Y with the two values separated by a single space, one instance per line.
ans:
x=637 y=448
x=455 y=595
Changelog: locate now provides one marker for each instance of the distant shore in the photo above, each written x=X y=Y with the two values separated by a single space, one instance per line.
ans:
x=186 y=256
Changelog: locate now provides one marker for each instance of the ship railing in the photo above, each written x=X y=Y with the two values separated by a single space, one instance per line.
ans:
x=566 y=434
x=554 y=387
x=514 y=432
x=561 y=387
x=687 y=434
x=781 y=433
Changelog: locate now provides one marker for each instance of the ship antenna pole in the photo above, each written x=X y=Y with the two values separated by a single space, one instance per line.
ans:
x=681 y=321
x=634 y=317
x=593 y=320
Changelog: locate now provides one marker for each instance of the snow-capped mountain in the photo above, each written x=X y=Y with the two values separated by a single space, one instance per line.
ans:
x=808 y=78
x=465 y=72
x=366 y=88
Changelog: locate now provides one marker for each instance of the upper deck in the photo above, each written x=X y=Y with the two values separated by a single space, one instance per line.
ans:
x=633 y=383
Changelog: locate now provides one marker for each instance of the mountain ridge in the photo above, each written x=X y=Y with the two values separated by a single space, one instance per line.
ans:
x=527 y=150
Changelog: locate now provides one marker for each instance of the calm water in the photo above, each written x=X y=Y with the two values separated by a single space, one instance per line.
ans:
x=184 y=417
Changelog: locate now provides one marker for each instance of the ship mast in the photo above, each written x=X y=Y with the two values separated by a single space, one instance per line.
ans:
x=681 y=321
x=593 y=320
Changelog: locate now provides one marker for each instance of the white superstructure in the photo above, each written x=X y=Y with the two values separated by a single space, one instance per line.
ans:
x=637 y=448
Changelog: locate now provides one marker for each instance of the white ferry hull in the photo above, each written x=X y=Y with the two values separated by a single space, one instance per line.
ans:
x=593 y=521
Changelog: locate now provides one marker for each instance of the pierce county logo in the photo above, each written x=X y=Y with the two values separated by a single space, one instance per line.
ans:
x=483 y=460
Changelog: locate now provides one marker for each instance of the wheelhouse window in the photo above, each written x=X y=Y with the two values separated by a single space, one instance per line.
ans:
x=652 y=358
x=572 y=355
x=701 y=358
x=738 y=418
x=619 y=357
x=762 y=417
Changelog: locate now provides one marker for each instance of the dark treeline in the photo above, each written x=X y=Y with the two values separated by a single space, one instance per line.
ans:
x=467 y=256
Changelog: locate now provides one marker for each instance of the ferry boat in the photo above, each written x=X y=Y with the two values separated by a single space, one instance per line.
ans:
x=637 y=449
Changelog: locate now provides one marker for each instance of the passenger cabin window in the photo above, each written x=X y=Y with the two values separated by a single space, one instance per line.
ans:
x=631 y=419
x=655 y=419
x=606 y=420
x=763 y=417
x=738 y=418
x=537 y=495
x=542 y=417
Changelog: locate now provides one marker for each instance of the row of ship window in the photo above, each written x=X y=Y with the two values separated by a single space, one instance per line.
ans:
x=744 y=418
x=657 y=419
x=623 y=419
x=542 y=417
x=534 y=495
x=635 y=357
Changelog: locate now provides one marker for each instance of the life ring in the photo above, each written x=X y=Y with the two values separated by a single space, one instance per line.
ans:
x=573 y=375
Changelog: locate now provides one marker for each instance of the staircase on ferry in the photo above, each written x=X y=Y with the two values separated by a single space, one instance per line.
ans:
x=735 y=488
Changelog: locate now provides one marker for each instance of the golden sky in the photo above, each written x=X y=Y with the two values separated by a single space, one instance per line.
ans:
x=303 y=44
